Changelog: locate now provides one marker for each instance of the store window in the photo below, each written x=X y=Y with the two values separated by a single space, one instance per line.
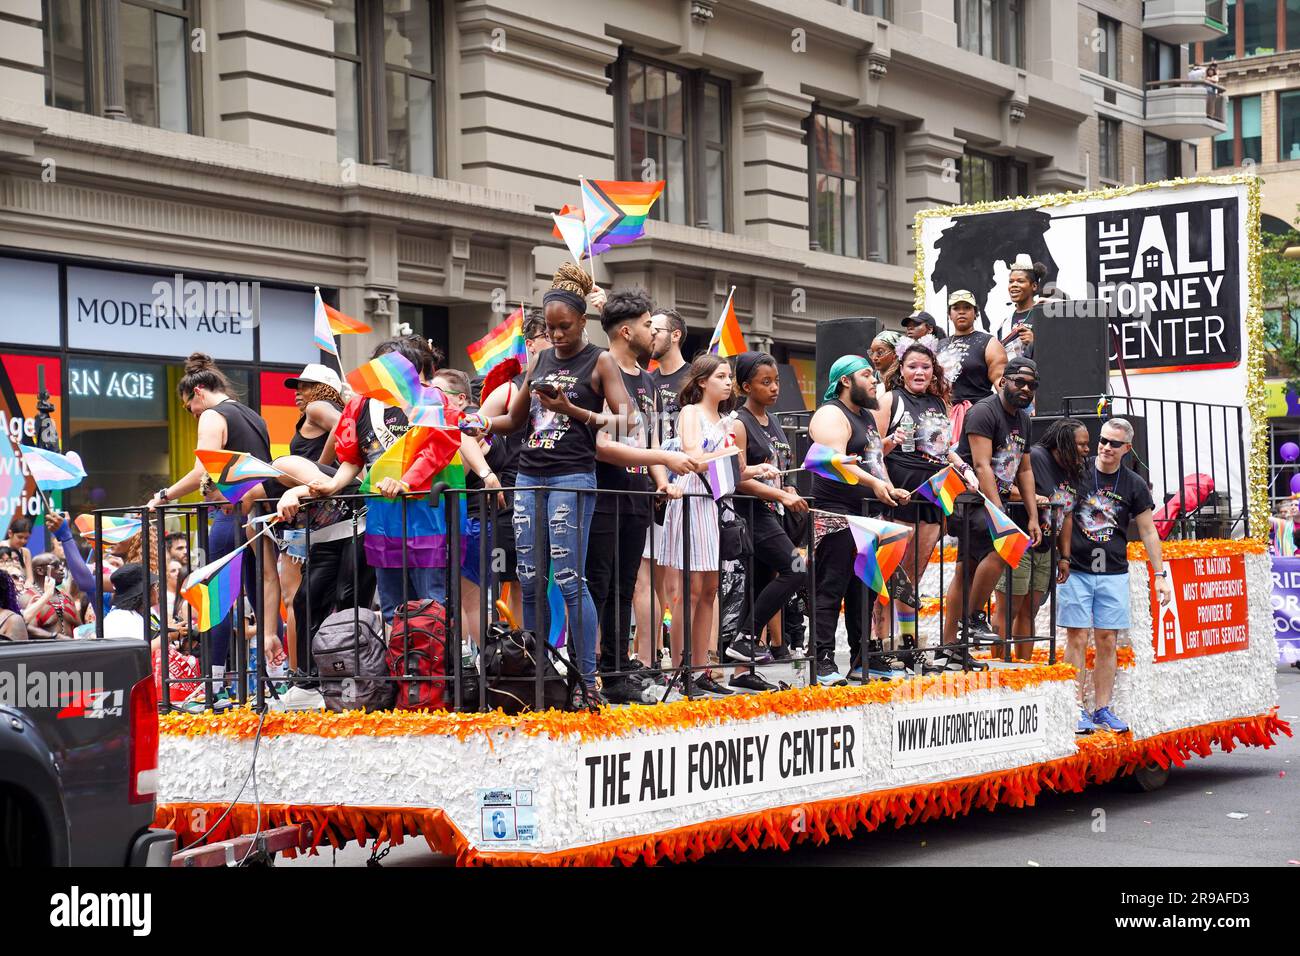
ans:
x=992 y=28
x=675 y=126
x=850 y=165
x=150 y=71
x=1242 y=138
x=386 y=83
x=1288 y=125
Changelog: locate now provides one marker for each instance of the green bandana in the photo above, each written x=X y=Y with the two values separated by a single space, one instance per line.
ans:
x=844 y=365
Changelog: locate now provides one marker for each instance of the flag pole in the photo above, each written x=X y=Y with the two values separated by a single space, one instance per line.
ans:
x=591 y=259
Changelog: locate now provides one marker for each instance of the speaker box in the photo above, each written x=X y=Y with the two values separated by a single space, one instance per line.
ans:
x=836 y=337
x=1071 y=352
x=1136 y=459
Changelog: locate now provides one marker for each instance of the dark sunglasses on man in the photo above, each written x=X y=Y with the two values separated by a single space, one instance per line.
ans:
x=1024 y=384
x=1111 y=442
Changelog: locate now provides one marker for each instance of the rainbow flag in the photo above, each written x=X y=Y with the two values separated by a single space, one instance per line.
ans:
x=1008 y=540
x=556 y=610
x=52 y=471
x=943 y=487
x=213 y=589
x=881 y=546
x=234 y=473
x=504 y=342
x=116 y=530
x=827 y=462
x=454 y=473
x=727 y=340
x=391 y=379
x=614 y=213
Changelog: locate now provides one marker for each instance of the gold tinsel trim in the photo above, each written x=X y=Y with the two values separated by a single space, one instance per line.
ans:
x=1257 y=449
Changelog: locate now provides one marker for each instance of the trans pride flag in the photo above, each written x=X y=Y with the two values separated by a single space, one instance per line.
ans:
x=826 y=461
x=614 y=212
x=881 y=545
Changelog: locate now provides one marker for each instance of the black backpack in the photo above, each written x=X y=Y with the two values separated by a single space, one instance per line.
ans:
x=349 y=651
x=510 y=672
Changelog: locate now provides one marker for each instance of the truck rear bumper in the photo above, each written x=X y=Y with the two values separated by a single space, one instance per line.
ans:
x=153 y=848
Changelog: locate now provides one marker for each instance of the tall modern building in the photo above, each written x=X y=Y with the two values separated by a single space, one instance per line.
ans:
x=158 y=157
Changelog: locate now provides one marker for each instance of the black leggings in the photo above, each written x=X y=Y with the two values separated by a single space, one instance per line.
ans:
x=780 y=571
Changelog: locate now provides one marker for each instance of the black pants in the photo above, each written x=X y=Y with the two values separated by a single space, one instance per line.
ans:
x=857 y=620
x=613 y=561
x=834 y=579
x=778 y=572
x=327 y=584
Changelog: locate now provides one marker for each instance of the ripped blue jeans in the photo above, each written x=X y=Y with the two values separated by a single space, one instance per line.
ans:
x=568 y=525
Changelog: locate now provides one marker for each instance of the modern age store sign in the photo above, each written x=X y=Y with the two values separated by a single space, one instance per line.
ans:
x=1208 y=614
x=623 y=776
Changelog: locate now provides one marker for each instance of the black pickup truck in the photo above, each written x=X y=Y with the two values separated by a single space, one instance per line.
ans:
x=79 y=755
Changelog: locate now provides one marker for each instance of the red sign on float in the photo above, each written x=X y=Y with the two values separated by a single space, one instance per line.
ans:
x=1208 y=614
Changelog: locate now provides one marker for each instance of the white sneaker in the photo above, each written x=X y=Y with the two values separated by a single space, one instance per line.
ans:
x=300 y=698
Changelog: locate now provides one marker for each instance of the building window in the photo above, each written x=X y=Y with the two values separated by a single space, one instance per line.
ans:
x=1160 y=61
x=1255 y=28
x=148 y=74
x=1288 y=126
x=850 y=170
x=386 y=83
x=992 y=28
x=1163 y=159
x=985 y=178
x=1242 y=137
x=1108 y=148
x=675 y=126
x=875 y=8
x=1108 y=47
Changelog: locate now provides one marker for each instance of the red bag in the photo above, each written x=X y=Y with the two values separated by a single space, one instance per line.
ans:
x=180 y=667
x=417 y=647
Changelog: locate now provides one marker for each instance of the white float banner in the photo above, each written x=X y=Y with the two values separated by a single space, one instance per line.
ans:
x=625 y=776
x=926 y=733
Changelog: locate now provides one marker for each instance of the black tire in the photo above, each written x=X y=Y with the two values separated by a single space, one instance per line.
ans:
x=1146 y=779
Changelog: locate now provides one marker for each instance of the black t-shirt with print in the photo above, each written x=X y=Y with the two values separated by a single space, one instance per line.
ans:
x=765 y=443
x=1105 y=506
x=641 y=389
x=1051 y=481
x=670 y=407
x=1008 y=432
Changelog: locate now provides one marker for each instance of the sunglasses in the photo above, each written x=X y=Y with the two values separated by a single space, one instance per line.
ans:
x=1112 y=442
x=1029 y=384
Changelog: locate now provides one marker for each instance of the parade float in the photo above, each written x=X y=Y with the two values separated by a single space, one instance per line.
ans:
x=675 y=781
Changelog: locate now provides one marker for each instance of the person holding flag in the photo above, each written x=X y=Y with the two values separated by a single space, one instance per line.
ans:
x=846 y=426
x=224 y=425
x=994 y=437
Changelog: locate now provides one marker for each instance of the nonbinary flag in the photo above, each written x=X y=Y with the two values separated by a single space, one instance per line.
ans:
x=234 y=472
x=52 y=471
x=727 y=340
x=213 y=589
x=1008 y=540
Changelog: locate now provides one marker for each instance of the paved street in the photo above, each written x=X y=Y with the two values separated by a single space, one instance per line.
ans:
x=1184 y=824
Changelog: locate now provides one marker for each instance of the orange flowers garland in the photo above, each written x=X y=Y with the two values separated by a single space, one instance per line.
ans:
x=1100 y=758
x=1200 y=548
x=608 y=722
x=1124 y=656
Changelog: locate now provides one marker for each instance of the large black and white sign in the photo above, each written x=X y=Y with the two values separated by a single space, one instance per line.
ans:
x=619 y=777
x=956 y=727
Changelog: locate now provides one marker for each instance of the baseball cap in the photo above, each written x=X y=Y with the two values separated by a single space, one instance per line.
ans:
x=920 y=318
x=961 y=295
x=1020 y=364
x=314 y=372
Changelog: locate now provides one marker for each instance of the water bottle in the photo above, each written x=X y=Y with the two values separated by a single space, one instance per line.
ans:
x=906 y=432
x=799 y=671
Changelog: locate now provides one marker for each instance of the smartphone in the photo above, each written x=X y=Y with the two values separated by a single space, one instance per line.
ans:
x=548 y=389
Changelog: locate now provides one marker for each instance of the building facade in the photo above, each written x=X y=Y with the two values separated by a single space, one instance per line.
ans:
x=404 y=157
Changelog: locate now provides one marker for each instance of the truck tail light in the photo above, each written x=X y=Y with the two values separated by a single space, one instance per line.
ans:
x=144 y=741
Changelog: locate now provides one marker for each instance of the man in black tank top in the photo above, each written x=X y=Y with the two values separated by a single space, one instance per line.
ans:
x=846 y=425
x=627 y=461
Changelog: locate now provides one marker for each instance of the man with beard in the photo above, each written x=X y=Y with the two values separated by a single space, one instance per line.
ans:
x=626 y=462
x=1095 y=595
x=844 y=424
x=994 y=436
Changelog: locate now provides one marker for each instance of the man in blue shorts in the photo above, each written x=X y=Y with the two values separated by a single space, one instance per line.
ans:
x=1095 y=595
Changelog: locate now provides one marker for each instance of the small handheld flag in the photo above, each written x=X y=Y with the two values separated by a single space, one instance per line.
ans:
x=881 y=546
x=827 y=462
x=391 y=379
x=234 y=473
x=506 y=341
x=1008 y=540
x=722 y=478
x=213 y=589
x=727 y=340
x=115 y=529
x=52 y=471
x=573 y=232
x=614 y=212
x=329 y=322
x=943 y=487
